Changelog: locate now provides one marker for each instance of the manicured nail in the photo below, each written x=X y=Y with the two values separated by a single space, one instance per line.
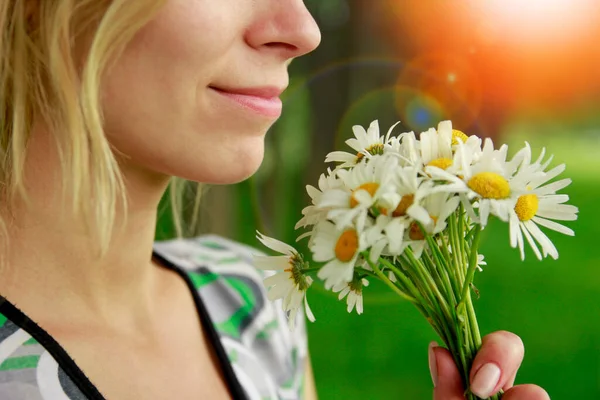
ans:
x=433 y=363
x=485 y=380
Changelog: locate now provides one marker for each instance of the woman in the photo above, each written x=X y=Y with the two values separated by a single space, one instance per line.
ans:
x=103 y=102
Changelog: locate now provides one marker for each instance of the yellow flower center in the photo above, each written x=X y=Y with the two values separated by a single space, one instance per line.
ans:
x=370 y=187
x=489 y=185
x=416 y=233
x=527 y=206
x=377 y=148
x=442 y=163
x=346 y=246
x=456 y=134
x=406 y=201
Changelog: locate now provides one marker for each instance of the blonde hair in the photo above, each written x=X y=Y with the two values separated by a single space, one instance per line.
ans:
x=40 y=76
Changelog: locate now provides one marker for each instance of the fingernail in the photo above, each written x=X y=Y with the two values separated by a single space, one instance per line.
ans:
x=433 y=363
x=485 y=380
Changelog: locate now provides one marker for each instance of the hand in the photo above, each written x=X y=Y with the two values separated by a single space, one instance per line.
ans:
x=495 y=367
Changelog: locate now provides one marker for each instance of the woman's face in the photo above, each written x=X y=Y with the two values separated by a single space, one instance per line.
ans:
x=196 y=90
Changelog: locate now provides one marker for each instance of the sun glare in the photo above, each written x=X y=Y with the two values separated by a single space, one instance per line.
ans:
x=536 y=21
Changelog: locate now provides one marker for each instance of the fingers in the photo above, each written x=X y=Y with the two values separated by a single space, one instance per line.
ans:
x=496 y=364
x=446 y=378
x=526 y=392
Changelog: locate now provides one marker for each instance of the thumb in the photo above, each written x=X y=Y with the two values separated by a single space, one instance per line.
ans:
x=446 y=378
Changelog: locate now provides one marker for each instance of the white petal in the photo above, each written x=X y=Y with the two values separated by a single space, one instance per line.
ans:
x=271 y=263
x=308 y=311
x=553 y=173
x=359 y=304
x=531 y=242
x=418 y=247
x=554 y=199
x=335 y=198
x=351 y=301
x=376 y=250
x=554 y=226
x=340 y=156
x=484 y=212
x=419 y=213
x=559 y=216
x=513 y=229
x=449 y=207
x=281 y=278
x=553 y=187
x=275 y=244
x=520 y=242
x=389 y=132
x=547 y=245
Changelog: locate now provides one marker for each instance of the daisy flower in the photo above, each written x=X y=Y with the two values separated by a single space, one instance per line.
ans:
x=339 y=248
x=436 y=146
x=289 y=283
x=472 y=142
x=313 y=213
x=365 y=143
x=480 y=259
x=365 y=186
x=539 y=206
x=489 y=181
x=353 y=291
x=391 y=225
x=480 y=262
x=406 y=147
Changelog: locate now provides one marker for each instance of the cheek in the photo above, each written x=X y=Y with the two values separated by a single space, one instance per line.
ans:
x=157 y=112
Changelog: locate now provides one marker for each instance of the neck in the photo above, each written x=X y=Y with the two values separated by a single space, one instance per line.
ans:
x=51 y=263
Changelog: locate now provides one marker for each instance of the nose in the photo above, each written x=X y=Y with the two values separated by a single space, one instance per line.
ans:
x=285 y=28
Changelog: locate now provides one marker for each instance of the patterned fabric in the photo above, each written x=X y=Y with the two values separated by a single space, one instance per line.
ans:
x=28 y=370
x=267 y=359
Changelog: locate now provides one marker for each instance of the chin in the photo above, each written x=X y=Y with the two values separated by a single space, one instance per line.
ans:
x=228 y=169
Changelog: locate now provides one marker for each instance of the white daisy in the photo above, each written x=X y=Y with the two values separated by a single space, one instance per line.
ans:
x=289 y=284
x=539 y=206
x=313 y=213
x=472 y=142
x=339 y=248
x=480 y=262
x=411 y=191
x=353 y=290
x=489 y=181
x=406 y=147
x=366 y=186
x=365 y=143
x=436 y=145
x=387 y=235
x=480 y=259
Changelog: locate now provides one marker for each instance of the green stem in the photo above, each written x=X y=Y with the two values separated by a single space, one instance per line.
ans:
x=472 y=264
x=386 y=280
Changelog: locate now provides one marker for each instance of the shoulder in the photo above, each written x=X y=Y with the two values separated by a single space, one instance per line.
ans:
x=252 y=329
x=213 y=249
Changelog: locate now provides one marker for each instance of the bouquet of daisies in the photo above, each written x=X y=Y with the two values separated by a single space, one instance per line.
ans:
x=409 y=211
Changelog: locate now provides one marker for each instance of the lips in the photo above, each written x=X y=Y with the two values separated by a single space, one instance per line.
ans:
x=264 y=101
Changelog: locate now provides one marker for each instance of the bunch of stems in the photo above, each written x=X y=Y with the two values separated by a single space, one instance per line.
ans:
x=439 y=284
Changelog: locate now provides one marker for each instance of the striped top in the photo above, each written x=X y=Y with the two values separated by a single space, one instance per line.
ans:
x=259 y=356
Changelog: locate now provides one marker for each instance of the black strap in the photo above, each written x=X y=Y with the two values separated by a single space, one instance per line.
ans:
x=63 y=359
x=235 y=388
